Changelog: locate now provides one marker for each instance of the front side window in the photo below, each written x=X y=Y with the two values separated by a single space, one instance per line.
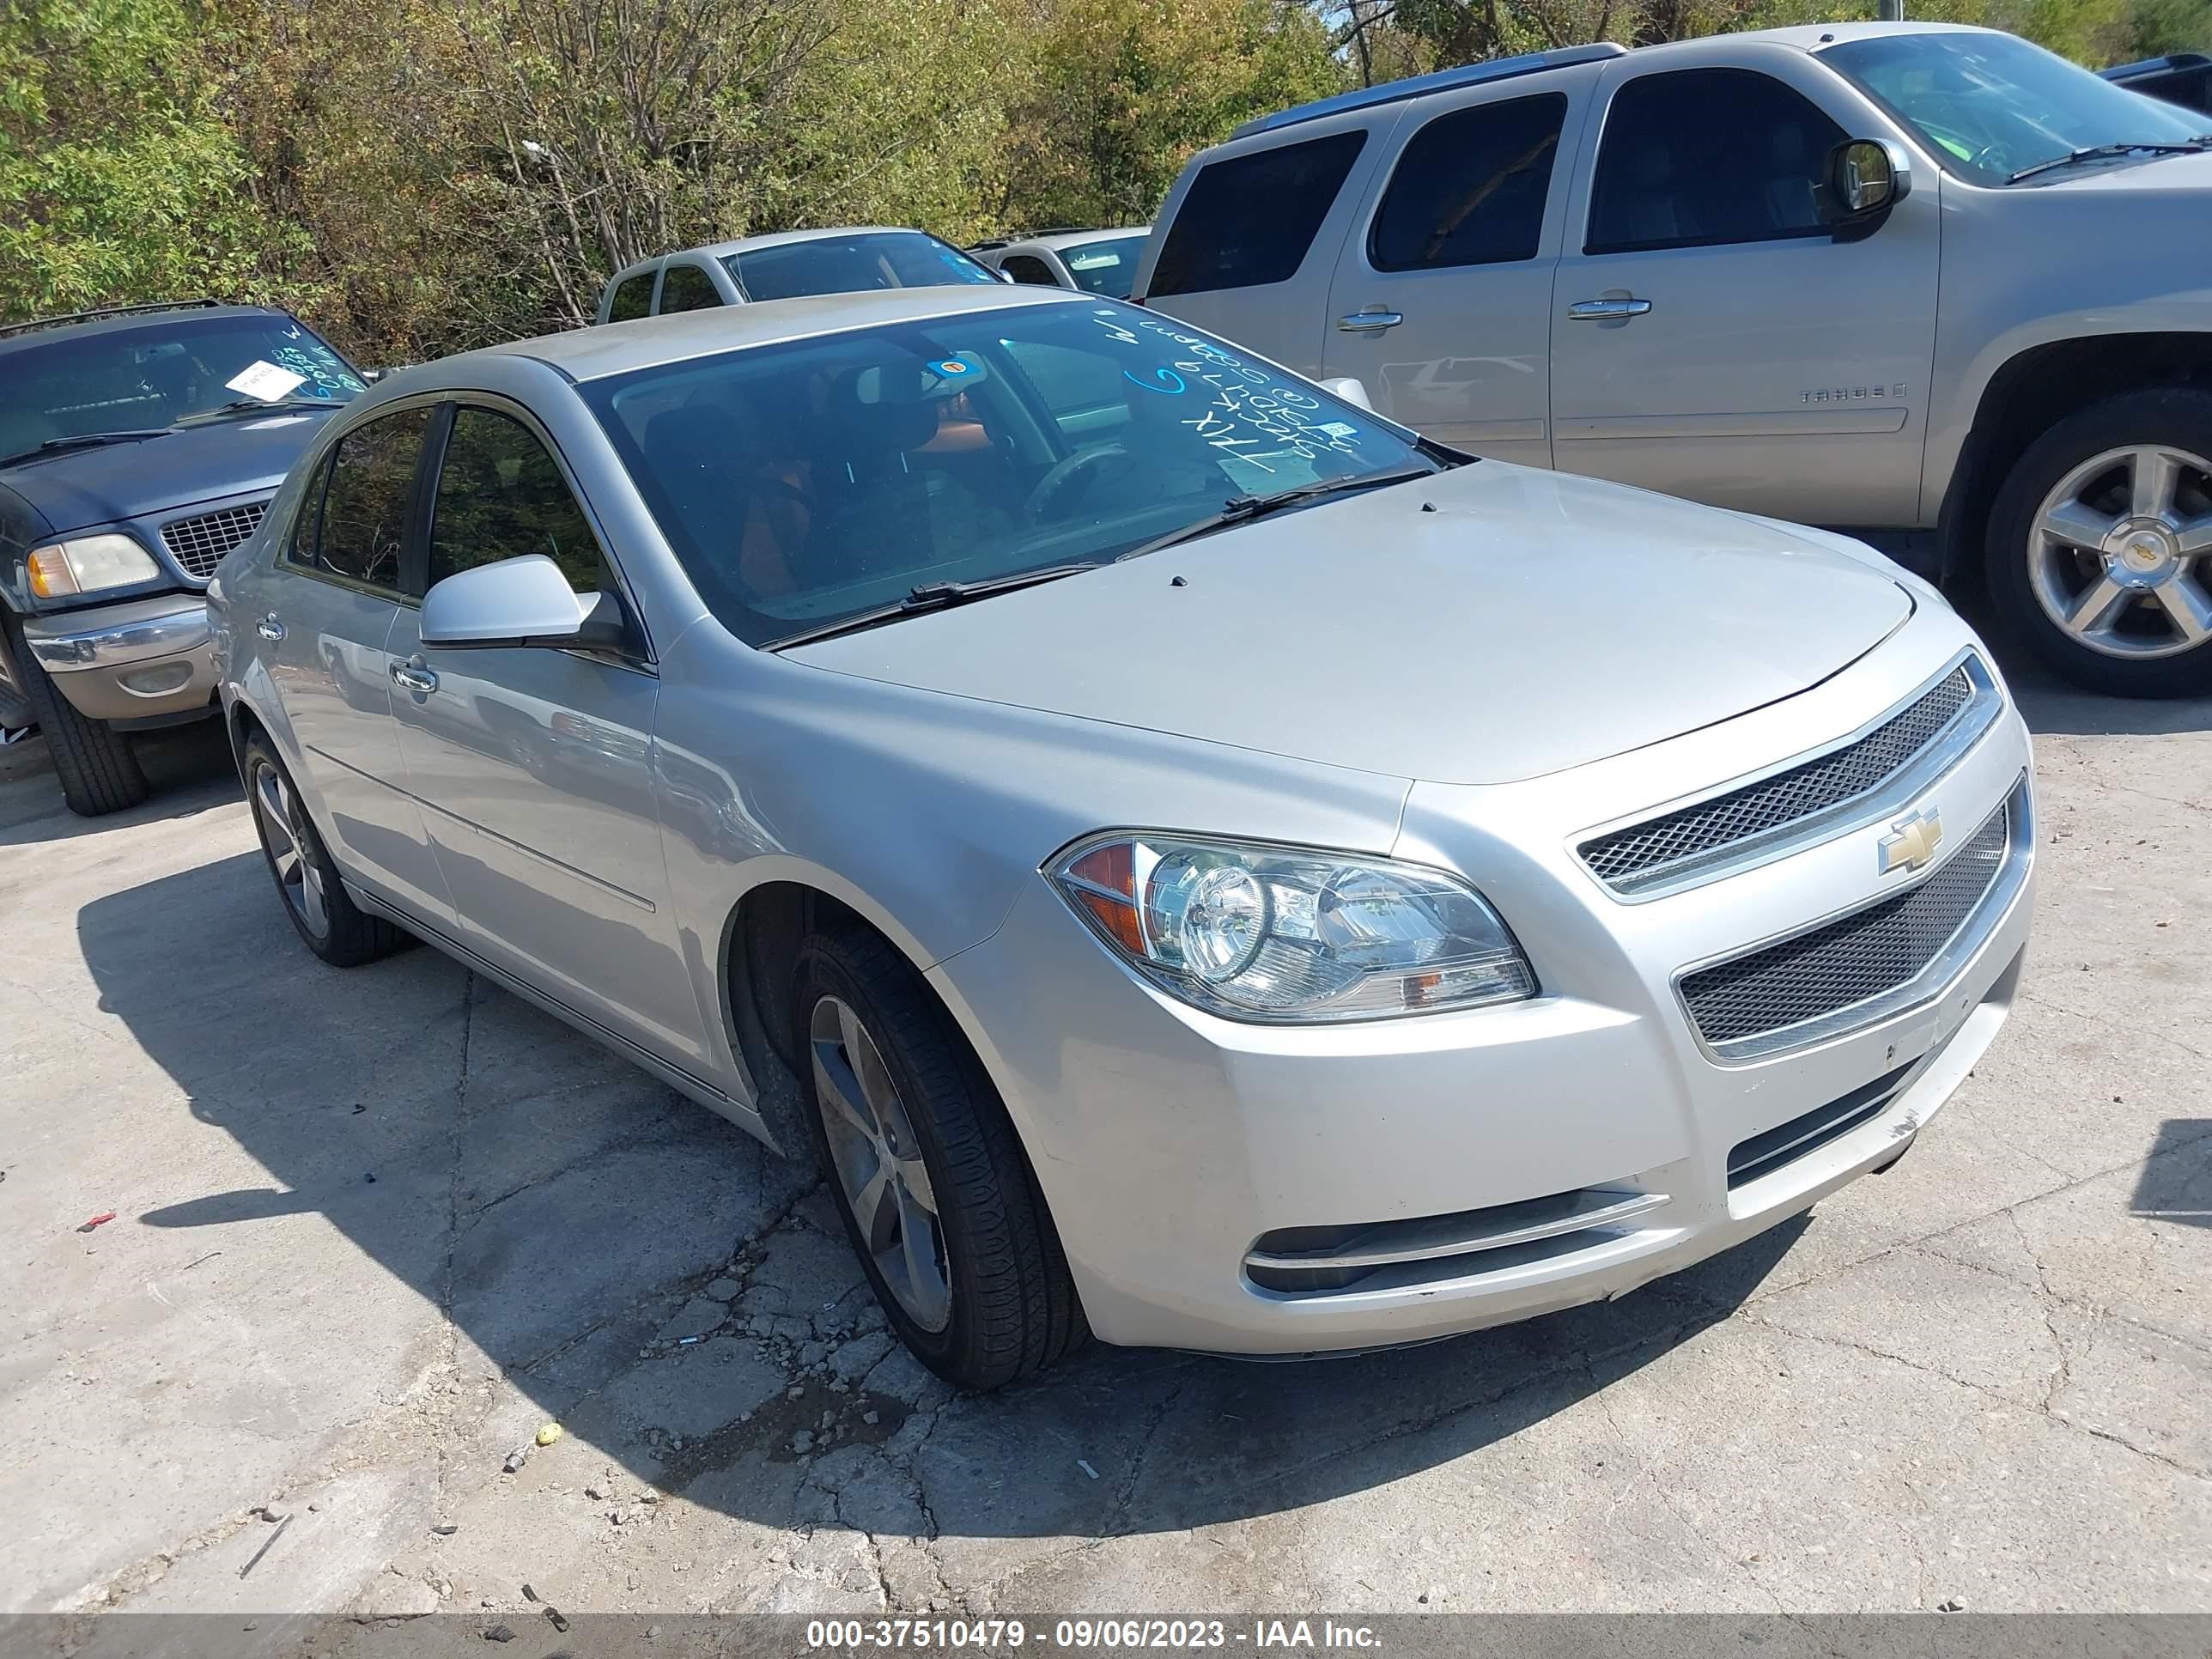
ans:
x=1700 y=158
x=854 y=265
x=1248 y=220
x=1990 y=104
x=501 y=496
x=1108 y=267
x=803 y=483
x=1024 y=268
x=687 y=287
x=633 y=298
x=1469 y=189
x=366 y=500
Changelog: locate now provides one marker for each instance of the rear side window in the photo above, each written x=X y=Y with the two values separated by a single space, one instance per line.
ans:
x=1703 y=157
x=687 y=287
x=1250 y=219
x=1469 y=189
x=1024 y=268
x=501 y=495
x=633 y=298
x=365 y=503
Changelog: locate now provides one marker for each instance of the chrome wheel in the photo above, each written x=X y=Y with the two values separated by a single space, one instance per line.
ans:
x=2116 y=553
x=880 y=1174
x=285 y=833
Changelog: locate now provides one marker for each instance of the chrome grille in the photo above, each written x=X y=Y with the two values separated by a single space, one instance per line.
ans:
x=198 y=544
x=1646 y=853
x=1849 y=961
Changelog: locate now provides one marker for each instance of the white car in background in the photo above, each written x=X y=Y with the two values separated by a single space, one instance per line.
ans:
x=848 y=259
x=1094 y=261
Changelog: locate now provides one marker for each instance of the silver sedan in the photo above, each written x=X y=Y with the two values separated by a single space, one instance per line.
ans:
x=1192 y=862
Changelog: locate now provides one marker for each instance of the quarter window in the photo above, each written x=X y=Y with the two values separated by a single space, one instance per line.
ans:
x=1703 y=157
x=687 y=287
x=1024 y=268
x=365 y=501
x=1249 y=220
x=1469 y=189
x=501 y=496
x=633 y=298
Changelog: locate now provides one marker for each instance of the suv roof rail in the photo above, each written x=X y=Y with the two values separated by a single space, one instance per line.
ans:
x=1417 y=85
x=2175 y=60
x=987 y=243
x=98 y=312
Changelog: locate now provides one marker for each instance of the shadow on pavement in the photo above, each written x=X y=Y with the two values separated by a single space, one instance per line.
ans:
x=190 y=768
x=2177 y=1189
x=567 y=1213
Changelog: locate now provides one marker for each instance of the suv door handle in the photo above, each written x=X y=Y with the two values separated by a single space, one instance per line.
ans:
x=1604 y=310
x=414 y=679
x=1368 y=322
x=269 y=629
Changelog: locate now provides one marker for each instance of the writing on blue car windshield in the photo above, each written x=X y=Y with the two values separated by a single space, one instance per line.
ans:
x=805 y=482
x=167 y=370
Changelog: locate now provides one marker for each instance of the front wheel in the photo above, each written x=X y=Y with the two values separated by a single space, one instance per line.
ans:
x=94 y=762
x=938 y=1198
x=2099 y=552
x=327 y=921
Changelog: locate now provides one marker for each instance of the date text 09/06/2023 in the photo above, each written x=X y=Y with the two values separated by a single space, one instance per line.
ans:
x=991 y=1636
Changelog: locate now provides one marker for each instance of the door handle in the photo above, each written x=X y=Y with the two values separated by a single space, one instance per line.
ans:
x=269 y=629
x=414 y=679
x=1368 y=322
x=1607 y=311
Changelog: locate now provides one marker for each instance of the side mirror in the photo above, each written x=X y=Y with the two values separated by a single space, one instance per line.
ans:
x=1867 y=177
x=525 y=601
x=1005 y=275
x=1348 y=388
x=371 y=376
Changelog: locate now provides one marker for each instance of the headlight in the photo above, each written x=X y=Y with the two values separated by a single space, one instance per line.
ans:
x=87 y=564
x=1276 y=933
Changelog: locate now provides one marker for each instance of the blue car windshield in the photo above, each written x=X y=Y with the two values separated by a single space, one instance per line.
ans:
x=805 y=482
x=159 y=372
x=852 y=264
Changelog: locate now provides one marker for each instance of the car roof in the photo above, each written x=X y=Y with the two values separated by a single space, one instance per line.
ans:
x=777 y=239
x=125 y=322
x=590 y=354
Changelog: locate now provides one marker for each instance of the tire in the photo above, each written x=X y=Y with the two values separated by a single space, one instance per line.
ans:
x=14 y=707
x=1010 y=1307
x=98 y=770
x=328 y=922
x=2138 y=582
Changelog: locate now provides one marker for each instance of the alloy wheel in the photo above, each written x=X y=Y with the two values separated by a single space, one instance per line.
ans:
x=285 y=831
x=2117 y=552
x=878 y=1159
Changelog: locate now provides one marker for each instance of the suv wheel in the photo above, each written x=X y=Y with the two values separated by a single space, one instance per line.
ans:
x=2100 y=545
x=937 y=1195
x=98 y=771
x=332 y=924
x=14 y=707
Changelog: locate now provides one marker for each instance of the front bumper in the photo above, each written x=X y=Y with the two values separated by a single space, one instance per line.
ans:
x=1181 y=1154
x=146 y=660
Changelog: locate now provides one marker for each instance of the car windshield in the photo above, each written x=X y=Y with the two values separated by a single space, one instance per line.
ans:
x=806 y=483
x=1992 y=105
x=154 y=375
x=1105 y=267
x=852 y=264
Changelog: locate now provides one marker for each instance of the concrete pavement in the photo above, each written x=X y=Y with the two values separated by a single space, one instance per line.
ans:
x=374 y=1229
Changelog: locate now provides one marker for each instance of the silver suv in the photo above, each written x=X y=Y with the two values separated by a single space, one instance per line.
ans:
x=1096 y=261
x=1890 y=277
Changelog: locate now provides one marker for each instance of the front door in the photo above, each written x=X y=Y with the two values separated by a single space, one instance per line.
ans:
x=1711 y=337
x=1442 y=301
x=534 y=766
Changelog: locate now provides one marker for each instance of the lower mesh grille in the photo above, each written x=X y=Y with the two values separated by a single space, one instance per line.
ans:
x=1844 y=963
x=198 y=544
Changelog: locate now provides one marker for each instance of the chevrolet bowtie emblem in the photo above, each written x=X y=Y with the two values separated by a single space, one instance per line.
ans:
x=1911 y=840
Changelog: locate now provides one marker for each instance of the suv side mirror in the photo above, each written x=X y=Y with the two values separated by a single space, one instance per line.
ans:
x=524 y=601
x=1867 y=177
x=1349 y=388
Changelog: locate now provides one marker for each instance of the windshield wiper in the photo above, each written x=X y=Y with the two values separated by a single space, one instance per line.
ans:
x=1243 y=509
x=2099 y=152
x=934 y=596
x=85 y=440
x=251 y=405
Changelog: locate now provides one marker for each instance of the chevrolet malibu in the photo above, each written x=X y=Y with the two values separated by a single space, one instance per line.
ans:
x=1191 y=861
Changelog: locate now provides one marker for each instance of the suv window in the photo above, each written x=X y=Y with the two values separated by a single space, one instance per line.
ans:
x=1703 y=157
x=1022 y=269
x=365 y=500
x=633 y=298
x=687 y=287
x=501 y=496
x=1250 y=219
x=1469 y=189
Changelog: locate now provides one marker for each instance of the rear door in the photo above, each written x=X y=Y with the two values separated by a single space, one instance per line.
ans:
x=1712 y=337
x=1441 y=305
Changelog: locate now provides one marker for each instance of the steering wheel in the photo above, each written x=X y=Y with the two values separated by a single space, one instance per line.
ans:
x=1054 y=483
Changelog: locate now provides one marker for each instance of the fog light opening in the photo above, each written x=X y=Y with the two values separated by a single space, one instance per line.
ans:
x=157 y=681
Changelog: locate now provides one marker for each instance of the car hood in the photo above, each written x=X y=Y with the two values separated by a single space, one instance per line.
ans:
x=1490 y=624
x=76 y=488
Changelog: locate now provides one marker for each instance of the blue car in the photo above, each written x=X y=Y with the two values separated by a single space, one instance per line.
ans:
x=137 y=445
